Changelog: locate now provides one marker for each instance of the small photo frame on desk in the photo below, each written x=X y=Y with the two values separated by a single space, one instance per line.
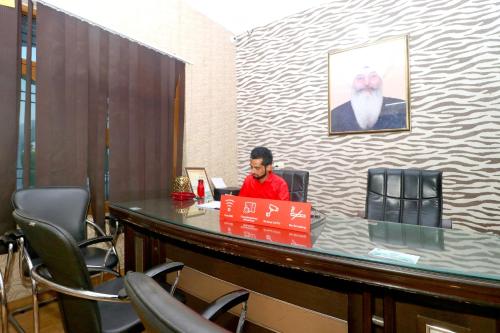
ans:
x=194 y=174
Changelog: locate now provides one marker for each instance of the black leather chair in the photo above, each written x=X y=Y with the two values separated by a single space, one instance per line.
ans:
x=66 y=207
x=411 y=196
x=160 y=312
x=64 y=271
x=297 y=181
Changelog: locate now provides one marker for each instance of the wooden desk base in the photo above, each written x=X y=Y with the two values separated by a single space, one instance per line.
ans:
x=366 y=308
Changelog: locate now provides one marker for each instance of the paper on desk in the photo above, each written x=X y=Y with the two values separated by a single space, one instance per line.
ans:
x=218 y=182
x=210 y=205
x=394 y=255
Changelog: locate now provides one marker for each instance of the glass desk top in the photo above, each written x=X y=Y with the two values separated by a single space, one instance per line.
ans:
x=458 y=252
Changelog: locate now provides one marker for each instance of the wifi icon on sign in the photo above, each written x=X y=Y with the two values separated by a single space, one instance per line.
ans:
x=229 y=204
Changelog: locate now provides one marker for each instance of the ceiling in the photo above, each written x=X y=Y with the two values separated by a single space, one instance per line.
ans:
x=239 y=16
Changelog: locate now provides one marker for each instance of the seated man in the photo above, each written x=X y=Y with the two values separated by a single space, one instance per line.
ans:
x=262 y=182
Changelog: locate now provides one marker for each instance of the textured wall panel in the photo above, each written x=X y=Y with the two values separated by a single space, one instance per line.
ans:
x=454 y=47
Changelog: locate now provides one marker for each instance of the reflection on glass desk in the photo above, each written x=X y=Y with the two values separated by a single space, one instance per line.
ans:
x=405 y=234
x=458 y=252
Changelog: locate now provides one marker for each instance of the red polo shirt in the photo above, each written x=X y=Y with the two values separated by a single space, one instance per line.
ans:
x=274 y=188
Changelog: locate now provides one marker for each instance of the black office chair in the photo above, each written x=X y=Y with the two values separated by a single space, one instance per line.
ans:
x=409 y=196
x=160 y=312
x=297 y=181
x=66 y=207
x=64 y=271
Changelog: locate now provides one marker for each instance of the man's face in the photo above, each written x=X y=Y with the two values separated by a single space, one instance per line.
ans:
x=367 y=82
x=258 y=170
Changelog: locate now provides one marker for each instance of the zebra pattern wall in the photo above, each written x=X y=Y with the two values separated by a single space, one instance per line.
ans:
x=454 y=59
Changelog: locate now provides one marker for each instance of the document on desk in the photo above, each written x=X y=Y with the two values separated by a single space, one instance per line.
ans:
x=218 y=182
x=394 y=255
x=210 y=205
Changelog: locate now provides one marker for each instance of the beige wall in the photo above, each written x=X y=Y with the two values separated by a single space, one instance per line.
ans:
x=171 y=26
x=174 y=27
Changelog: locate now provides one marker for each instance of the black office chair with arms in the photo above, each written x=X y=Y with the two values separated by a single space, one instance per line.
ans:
x=411 y=196
x=83 y=307
x=298 y=182
x=66 y=207
x=160 y=312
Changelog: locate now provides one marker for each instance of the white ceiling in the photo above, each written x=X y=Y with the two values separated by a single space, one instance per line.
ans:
x=239 y=16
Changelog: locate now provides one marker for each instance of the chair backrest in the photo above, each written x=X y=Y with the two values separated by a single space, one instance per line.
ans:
x=63 y=206
x=297 y=181
x=63 y=259
x=410 y=196
x=160 y=312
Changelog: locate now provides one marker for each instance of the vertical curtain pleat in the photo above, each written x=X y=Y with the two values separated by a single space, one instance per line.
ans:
x=152 y=125
x=121 y=73
x=9 y=85
x=97 y=112
x=166 y=103
x=62 y=100
x=179 y=111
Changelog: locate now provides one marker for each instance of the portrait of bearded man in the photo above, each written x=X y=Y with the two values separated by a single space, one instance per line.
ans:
x=368 y=109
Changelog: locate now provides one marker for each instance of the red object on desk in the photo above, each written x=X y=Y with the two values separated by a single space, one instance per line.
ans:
x=269 y=234
x=288 y=215
x=181 y=196
x=201 y=189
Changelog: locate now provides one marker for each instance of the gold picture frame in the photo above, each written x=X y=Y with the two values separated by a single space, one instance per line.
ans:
x=368 y=88
x=194 y=173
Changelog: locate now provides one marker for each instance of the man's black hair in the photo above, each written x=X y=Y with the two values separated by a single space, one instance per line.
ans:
x=264 y=153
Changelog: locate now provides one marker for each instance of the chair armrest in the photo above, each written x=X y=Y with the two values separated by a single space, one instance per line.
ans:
x=87 y=294
x=115 y=228
x=164 y=268
x=446 y=223
x=101 y=269
x=96 y=227
x=95 y=240
x=224 y=303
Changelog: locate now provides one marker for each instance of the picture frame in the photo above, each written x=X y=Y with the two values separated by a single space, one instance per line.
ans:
x=368 y=88
x=195 y=173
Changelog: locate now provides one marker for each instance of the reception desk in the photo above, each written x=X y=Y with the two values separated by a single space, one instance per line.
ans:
x=360 y=271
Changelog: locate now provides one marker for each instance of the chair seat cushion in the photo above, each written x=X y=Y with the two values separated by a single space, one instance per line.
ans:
x=94 y=256
x=117 y=317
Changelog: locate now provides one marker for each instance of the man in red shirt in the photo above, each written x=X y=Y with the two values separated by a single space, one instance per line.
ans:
x=262 y=182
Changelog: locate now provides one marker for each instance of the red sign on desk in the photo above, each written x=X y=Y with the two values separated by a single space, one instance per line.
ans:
x=288 y=215
x=254 y=231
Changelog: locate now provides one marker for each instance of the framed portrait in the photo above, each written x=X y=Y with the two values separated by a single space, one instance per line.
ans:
x=194 y=174
x=368 y=88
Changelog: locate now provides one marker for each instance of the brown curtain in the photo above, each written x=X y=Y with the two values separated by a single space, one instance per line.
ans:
x=9 y=87
x=86 y=74
x=142 y=91
x=62 y=99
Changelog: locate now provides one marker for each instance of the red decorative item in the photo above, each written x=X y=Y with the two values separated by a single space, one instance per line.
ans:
x=182 y=196
x=201 y=189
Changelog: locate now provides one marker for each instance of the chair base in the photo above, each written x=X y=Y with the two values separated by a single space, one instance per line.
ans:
x=13 y=321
